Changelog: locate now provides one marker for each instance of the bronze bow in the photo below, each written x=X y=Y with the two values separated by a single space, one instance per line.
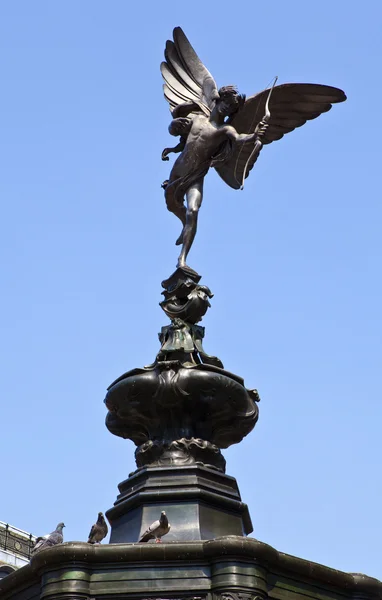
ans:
x=258 y=143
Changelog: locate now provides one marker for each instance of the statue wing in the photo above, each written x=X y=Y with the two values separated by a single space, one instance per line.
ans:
x=291 y=105
x=186 y=78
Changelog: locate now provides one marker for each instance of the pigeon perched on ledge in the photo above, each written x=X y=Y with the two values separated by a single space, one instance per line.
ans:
x=157 y=529
x=98 y=531
x=49 y=540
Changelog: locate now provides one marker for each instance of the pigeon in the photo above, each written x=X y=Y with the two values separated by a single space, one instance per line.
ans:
x=49 y=540
x=156 y=529
x=98 y=531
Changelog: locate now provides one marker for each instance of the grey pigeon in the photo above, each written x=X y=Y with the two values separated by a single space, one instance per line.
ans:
x=49 y=540
x=157 y=529
x=98 y=531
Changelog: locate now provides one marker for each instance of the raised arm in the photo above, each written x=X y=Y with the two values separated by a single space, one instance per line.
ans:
x=184 y=109
x=245 y=138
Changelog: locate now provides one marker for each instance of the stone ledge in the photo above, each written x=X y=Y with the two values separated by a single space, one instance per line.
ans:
x=228 y=547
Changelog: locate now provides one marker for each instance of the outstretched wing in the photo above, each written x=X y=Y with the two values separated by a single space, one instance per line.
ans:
x=186 y=78
x=291 y=105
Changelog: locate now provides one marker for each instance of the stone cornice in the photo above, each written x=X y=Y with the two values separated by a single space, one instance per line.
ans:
x=228 y=547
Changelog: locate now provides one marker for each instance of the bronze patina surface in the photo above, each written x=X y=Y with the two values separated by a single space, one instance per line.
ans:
x=185 y=407
x=226 y=568
x=223 y=129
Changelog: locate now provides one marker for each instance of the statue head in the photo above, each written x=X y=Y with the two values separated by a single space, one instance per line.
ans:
x=180 y=127
x=229 y=101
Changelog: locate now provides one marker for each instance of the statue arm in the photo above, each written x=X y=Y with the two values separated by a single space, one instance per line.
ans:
x=179 y=126
x=245 y=138
x=184 y=109
x=178 y=148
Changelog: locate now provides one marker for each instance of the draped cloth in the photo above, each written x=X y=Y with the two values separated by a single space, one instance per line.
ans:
x=176 y=190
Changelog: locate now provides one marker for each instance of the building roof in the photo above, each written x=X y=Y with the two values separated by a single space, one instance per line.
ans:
x=15 y=545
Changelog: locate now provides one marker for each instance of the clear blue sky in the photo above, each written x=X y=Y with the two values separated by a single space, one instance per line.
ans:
x=86 y=240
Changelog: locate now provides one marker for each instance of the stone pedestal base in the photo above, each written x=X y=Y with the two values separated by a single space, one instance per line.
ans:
x=200 y=504
x=228 y=568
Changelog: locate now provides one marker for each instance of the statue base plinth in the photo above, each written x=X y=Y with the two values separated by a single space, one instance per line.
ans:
x=200 y=504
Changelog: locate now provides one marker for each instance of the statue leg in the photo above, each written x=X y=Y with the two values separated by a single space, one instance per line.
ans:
x=194 y=197
x=175 y=207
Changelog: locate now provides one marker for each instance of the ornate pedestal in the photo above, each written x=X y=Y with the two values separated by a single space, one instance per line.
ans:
x=200 y=504
x=180 y=411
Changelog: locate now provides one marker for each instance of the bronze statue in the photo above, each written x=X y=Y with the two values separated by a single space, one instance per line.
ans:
x=223 y=129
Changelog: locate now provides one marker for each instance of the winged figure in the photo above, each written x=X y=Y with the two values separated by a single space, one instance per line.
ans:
x=223 y=129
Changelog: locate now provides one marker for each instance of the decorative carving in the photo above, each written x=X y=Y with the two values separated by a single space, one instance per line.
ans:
x=184 y=298
x=156 y=453
x=184 y=407
x=237 y=595
x=185 y=303
x=177 y=598
x=184 y=341
x=169 y=401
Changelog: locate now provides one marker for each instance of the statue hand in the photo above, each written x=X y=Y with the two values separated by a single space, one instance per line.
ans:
x=261 y=128
x=165 y=152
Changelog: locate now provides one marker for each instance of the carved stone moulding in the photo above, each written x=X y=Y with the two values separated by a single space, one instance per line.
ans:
x=237 y=595
x=180 y=452
x=201 y=503
x=188 y=301
x=176 y=597
x=176 y=408
x=183 y=342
